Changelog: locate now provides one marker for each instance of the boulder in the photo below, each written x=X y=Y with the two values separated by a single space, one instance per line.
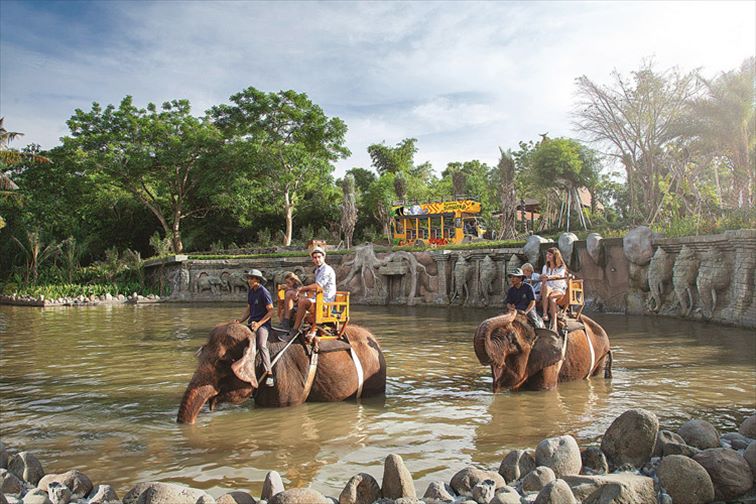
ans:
x=556 y=492
x=593 y=246
x=76 y=481
x=464 y=481
x=103 y=494
x=437 y=493
x=699 y=433
x=663 y=437
x=272 y=485
x=635 y=489
x=3 y=500
x=165 y=493
x=397 y=480
x=4 y=456
x=637 y=246
x=735 y=440
x=516 y=464
x=299 y=496
x=537 y=479
x=748 y=427
x=506 y=495
x=729 y=471
x=685 y=480
x=750 y=455
x=360 y=489
x=561 y=454
x=566 y=243
x=235 y=498
x=532 y=248
x=10 y=483
x=26 y=466
x=630 y=438
x=483 y=492
x=36 y=496
x=59 y=493
x=594 y=461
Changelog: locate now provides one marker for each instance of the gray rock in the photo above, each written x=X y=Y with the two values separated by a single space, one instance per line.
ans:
x=594 y=461
x=637 y=246
x=165 y=493
x=556 y=492
x=506 y=495
x=464 y=481
x=26 y=466
x=4 y=456
x=272 y=485
x=748 y=427
x=408 y=500
x=78 y=482
x=699 y=433
x=59 y=493
x=9 y=482
x=685 y=480
x=566 y=244
x=593 y=246
x=438 y=492
x=679 y=449
x=537 y=479
x=630 y=438
x=663 y=437
x=735 y=440
x=103 y=494
x=36 y=496
x=562 y=454
x=729 y=471
x=483 y=492
x=3 y=500
x=516 y=464
x=299 y=496
x=362 y=488
x=532 y=248
x=397 y=480
x=634 y=488
x=235 y=498
x=750 y=455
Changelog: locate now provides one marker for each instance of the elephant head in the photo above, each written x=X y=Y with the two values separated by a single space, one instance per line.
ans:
x=515 y=352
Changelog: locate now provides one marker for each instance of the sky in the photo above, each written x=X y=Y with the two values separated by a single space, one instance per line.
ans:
x=463 y=78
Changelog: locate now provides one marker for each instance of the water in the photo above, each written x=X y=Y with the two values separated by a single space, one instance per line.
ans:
x=98 y=388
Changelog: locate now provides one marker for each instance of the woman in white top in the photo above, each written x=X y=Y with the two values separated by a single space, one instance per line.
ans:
x=553 y=284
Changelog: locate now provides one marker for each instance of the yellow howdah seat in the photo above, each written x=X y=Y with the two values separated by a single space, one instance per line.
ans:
x=335 y=313
x=575 y=297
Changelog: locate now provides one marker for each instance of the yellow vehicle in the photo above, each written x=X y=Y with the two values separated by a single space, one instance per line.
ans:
x=436 y=223
x=331 y=318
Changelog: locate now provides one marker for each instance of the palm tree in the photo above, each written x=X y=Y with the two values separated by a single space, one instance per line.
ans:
x=10 y=157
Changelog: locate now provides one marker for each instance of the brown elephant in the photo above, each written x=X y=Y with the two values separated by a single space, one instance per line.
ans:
x=226 y=371
x=525 y=358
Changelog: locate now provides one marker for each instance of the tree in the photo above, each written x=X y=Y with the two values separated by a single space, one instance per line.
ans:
x=286 y=142
x=161 y=156
x=380 y=198
x=636 y=118
x=348 y=210
x=393 y=159
x=362 y=178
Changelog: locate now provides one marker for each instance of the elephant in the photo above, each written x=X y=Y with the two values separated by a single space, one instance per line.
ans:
x=226 y=371
x=684 y=274
x=205 y=281
x=522 y=357
x=463 y=272
x=235 y=281
x=659 y=278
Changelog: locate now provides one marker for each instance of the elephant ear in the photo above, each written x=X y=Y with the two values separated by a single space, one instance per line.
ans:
x=244 y=368
x=546 y=351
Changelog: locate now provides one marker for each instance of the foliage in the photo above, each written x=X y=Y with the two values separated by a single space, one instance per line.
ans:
x=73 y=290
x=393 y=160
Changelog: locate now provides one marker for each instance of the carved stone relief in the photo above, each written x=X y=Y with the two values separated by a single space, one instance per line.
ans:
x=486 y=279
x=659 y=278
x=461 y=276
x=684 y=274
x=714 y=277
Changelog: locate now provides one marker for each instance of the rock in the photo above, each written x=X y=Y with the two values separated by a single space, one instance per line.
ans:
x=680 y=449
x=562 y=454
x=630 y=438
x=637 y=246
x=10 y=483
x=78 y=482
x=556 y=492
x=271 y=486
x=4 y=456
x=506 y=495
x=235 y=498
x=437 y=492
x=748 y=427
x=483 y=492
x=3 y=500
x=537 y=479
x=26 y=466
x=464 y=481
x=635 y=489
x=411 y=500
x=729 y=471
x=699 y=433
x=750 y=455
x=594 y=461
x=566 y=244
x=397 y=480
x=299 y=496
x=360 y=489
x=532 y=248
x=685 y=480
x=165 y=493
x=663 y=437
x=121 y=298
x=516 y=464
x=59 y=493
x=735 y=440
x=36 y=496
x=593 y=246
x=103 y=494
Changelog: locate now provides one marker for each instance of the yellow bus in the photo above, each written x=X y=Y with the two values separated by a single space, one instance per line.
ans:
x=436 y=223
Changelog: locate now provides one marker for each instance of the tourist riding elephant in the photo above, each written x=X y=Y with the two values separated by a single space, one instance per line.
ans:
x=536 y=359
x=226 y=371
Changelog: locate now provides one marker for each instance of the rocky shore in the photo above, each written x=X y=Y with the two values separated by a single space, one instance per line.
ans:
x=105 y=299
x=637 y=462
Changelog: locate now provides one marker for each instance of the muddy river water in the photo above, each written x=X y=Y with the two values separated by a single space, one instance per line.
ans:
x=98 y=389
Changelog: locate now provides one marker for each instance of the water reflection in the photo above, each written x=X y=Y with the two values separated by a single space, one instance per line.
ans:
x=97 y=389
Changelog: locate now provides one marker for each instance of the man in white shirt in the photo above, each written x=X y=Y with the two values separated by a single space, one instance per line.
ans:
x=325 y=280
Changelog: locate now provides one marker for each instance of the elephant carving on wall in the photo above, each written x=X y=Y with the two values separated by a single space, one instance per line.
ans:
x=226 y=371
x=205 y=281
x=486 y=279
x=463 y=273
x=234 y=281
x=714 y=275
x=522 y=357
x=659 y=278
x=684 y=274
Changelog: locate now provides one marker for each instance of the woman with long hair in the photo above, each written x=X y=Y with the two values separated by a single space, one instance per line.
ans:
x=553 y=285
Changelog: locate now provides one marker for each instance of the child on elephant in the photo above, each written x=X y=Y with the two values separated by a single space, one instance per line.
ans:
x=287 y=309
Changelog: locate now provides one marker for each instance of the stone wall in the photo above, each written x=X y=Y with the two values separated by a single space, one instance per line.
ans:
x=701 y=277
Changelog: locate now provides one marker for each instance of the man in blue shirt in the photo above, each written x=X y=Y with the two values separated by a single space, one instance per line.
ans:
x=522 y=298
x=259 y=311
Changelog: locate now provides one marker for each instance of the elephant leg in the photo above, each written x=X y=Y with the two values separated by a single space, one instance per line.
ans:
x=604 y=364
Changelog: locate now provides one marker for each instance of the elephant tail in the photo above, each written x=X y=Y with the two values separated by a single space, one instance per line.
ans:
x=194 y=399
x=608 y=365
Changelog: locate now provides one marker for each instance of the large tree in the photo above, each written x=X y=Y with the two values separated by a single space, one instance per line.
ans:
x=393 y=159
x=162 y=156
x=285 y=140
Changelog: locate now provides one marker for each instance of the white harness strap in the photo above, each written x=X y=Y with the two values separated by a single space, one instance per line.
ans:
x=310 y=379
x=360 y=375
x=593 y=355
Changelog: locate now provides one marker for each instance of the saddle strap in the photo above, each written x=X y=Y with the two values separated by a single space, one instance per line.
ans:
x=360 y=374
x=593 y=355
x=311 y=374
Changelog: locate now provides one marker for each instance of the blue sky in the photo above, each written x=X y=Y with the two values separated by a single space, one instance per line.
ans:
x=464 y=78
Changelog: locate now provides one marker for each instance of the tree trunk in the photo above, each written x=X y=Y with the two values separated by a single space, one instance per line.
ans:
x=178 y=246
x=289 y=210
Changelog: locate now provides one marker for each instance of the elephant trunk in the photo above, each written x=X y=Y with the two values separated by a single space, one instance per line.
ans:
x=194 y=398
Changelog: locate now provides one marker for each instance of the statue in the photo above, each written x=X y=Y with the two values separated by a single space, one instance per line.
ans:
x=684 y=275
x=659 y=277
x=714 y=275
x=486 y=278
x=461 y=276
